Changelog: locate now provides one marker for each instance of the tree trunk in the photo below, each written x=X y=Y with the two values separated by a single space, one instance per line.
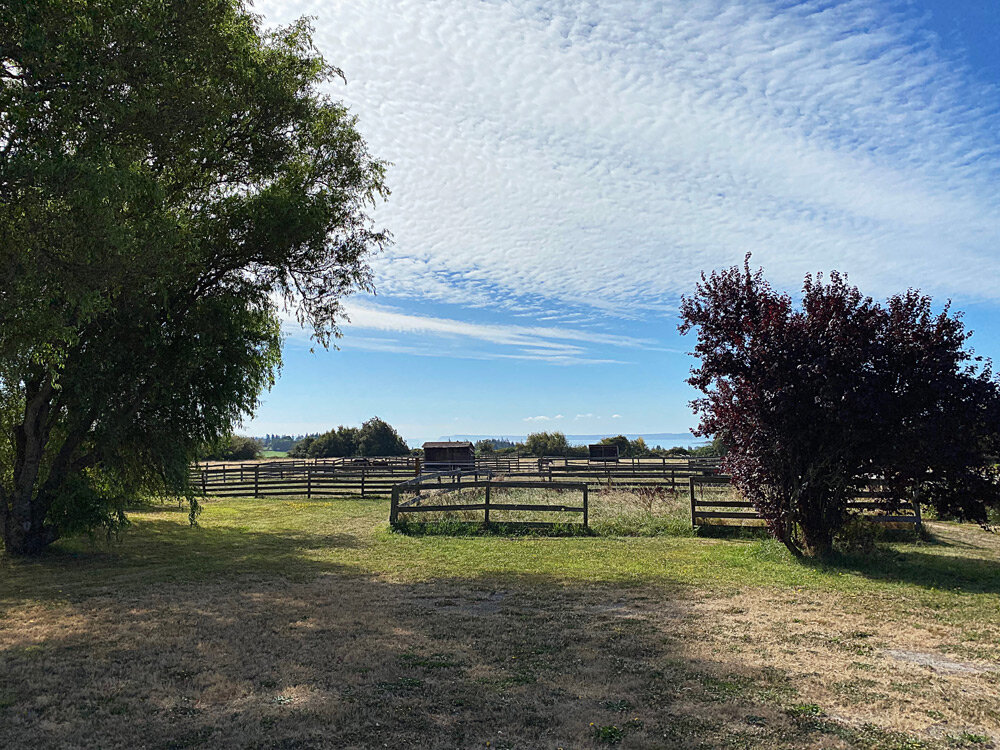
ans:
x=25 y=531
x=817 y=540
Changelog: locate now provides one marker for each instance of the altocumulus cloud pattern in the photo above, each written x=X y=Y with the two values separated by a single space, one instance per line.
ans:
x=557 y=158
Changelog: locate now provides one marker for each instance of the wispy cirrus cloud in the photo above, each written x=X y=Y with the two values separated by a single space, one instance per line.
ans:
x=598 y=154
x=447 y=337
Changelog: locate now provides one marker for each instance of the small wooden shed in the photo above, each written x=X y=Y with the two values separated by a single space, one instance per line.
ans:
x=604 y=452
x=449 y=455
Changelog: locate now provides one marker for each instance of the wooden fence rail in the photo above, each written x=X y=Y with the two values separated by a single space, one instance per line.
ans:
x=418 y=505
x=338 y=477
x=741 y=510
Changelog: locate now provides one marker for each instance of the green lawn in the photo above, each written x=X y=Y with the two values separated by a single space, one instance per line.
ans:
x=311 y=624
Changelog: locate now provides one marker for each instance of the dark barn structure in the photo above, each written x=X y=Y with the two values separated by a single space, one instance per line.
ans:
x=603 y=452
x=449 y=455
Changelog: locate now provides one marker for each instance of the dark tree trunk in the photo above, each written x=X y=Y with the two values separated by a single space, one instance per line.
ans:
x=25 y=507
x=24 y=530
x=817 y=540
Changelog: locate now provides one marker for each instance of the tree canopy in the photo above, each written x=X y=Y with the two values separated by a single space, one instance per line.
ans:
x=233 y=448
x=170 y=178
x=815 y=403
x=547 y=444
x=375 y=437
x=378 y=438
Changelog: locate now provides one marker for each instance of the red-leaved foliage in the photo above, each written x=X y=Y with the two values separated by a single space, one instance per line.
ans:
x=817 y=401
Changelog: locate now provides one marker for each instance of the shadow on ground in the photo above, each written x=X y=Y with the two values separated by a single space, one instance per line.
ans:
x=225 y=637
x=355 y=662
x=940 y=561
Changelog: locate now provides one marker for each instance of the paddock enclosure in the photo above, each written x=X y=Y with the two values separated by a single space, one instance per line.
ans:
x=712 y=500
x=377 y=476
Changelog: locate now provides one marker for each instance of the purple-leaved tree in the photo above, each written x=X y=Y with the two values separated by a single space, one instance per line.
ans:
x=816 y=401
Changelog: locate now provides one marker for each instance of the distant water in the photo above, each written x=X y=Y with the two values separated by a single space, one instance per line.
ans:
x=663 y=439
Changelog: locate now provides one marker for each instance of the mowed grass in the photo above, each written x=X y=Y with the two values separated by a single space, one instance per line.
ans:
x=274 y=454
x=311 y=624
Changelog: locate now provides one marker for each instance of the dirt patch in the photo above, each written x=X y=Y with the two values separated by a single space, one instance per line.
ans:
x=939 y=663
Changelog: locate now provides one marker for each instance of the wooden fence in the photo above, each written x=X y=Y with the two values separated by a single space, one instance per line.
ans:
x=305 y=481
x=442 y=483
x=376 y=476
x=720 y=510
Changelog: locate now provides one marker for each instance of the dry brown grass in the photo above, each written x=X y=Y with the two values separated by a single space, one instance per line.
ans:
x=330 y=658
x=354 y=662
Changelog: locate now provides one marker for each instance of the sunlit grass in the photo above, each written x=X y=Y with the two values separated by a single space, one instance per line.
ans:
x=307 y=537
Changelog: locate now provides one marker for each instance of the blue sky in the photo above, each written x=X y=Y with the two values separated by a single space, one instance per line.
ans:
x=562 y=172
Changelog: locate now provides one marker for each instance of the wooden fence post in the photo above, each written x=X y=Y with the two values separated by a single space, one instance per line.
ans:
x=486 y=516
x=309 y=482
x=586 y=514
x=691 y=487
x=394 y=506
x=256 y=481
x=362 y=483
x=204 y=472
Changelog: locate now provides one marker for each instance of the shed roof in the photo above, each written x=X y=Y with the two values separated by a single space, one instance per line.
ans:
x=449 y=444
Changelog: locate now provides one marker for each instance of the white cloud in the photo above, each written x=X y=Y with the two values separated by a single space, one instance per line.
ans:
x=537 y=419
x=446 y=337
x=588 y=415
x=598 y=154
x=616 y=416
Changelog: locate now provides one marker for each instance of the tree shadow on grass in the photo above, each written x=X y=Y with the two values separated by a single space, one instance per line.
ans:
x=945 y=572
x=928 y=565
x=225 y=637
x=166 y=550
x=341 y=661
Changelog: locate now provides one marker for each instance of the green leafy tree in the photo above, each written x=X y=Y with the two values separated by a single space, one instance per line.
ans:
x=343 y=441
x=234 y=448
x=168 y=172
x=378 y=438
x=624 y=446
x=547 y=444
x=301 y=448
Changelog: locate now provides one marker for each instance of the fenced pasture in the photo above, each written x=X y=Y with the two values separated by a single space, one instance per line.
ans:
x=712 y=501
x=428 y=494
x=377 y=476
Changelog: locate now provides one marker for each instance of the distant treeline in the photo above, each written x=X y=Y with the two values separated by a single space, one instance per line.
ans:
x=555 y=444
x=376 y=437
x=282 y=442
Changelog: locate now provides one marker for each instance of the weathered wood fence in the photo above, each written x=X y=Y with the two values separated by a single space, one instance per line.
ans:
x=442 y=483
x=719 y=510
x=377 y=476
x=308 y=481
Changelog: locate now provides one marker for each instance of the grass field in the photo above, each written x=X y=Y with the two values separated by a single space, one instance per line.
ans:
x=303 y=624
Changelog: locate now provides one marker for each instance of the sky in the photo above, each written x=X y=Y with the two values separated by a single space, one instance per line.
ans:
x=563 y=171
